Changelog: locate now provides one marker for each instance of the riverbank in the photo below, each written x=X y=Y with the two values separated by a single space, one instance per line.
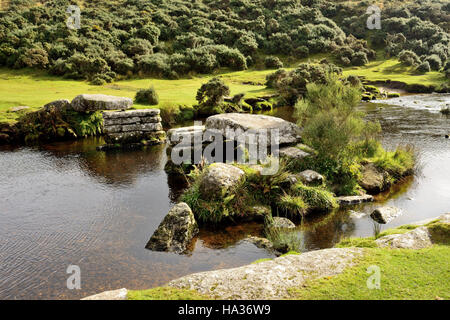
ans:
x=413 y=266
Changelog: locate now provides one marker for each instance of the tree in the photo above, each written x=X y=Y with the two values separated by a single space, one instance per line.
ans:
x=212 y=93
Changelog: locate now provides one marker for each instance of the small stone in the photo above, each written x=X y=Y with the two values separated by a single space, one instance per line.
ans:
x=218 y=179
x=293 y=153
x=351 y=200
x=418 y=238
x=280 y=222
x=311 y=177
x=384 y=215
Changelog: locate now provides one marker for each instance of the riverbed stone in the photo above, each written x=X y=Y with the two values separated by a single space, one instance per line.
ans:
x=95 y=102
x=218 y=179
x=418 y=238
x=385 y=215
x=311 y=177
x=352 y=200
x=270 y=279
x=176 y=230
x=289 y=132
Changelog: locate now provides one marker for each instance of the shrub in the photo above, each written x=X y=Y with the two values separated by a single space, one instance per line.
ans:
x=424 y=67
x=434 y=61
x=272 y=62
x=408 y=58
x=147 y=96
x=212 y=92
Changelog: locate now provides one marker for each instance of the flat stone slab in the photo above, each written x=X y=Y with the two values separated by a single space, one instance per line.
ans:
x=185 y=135
x=95 y=102
x=270 y=279
x=289 y=132
x=350 y=200
x=120 y=294
x=385 y=214
x=131 y=113
x=418 y=238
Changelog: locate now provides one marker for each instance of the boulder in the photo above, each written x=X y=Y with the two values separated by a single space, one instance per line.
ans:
x=57 y=105
x=256 y=213
x=311 y=177
x=385 y=214
x=289 y=132
x=176 y=230
x=280 y=222
x=261 y=243
x=95 y=102
x=372 y=180
x=293 y=153
x=186 y=135
x=218 y=179
x=416 y=239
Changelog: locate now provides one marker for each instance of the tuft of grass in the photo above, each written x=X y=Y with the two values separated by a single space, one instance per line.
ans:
x=317 y=198
x=261 y=260
x=165 y=293
x=397 y=163
x=357 y=243
x=405 y=274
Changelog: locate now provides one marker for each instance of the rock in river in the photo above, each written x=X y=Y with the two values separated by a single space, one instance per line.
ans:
x=176 y=230
x=280 y=222
x=385 y=214
x=372 y=180
x=218 y=179
x=95 y=102
x=289 y=132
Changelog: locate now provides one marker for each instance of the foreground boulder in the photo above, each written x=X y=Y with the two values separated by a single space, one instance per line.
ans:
x=270 y=279
x=218 y=179
x=418 y=238
x=384 y=215
x=95 y=102
x=289 y=132
x=176 y=230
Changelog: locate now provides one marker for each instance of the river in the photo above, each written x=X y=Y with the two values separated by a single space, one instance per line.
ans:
x=67 y=204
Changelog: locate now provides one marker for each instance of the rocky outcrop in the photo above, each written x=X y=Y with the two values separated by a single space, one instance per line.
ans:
x=418 y=238
x=351 y=200
x=134 y=126
x=270 y=279
x=289 y=133
x=96 y=102
x=384 y=215
x=176 y=230
x=218 y=179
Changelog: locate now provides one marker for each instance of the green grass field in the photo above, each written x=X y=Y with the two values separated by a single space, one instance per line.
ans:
x=36 y=88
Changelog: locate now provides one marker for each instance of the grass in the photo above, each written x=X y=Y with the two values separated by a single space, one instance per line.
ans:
x=165 y=293
x=405 y=274
x=391 y=69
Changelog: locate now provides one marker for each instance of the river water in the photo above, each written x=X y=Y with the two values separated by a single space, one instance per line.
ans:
x=66 y=204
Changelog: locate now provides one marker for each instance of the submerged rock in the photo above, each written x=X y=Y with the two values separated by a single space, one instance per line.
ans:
x=384 y=215
x=95 y=102
x=176 y=230
x=289 y=132
x=418 y=238
x=218 y=179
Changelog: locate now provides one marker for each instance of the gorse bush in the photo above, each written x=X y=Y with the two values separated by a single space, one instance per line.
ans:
x=147 y=96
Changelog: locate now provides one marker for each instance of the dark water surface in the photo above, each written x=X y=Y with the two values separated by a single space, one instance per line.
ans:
x=67 y=204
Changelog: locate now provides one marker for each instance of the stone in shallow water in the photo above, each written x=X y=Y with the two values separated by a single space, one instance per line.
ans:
x=280 y=222
x=176 y=230
x=218 y=179
x=350 y=200
x=372 y=180
x=95 y=102
x=288 y=132
x=385 y=214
